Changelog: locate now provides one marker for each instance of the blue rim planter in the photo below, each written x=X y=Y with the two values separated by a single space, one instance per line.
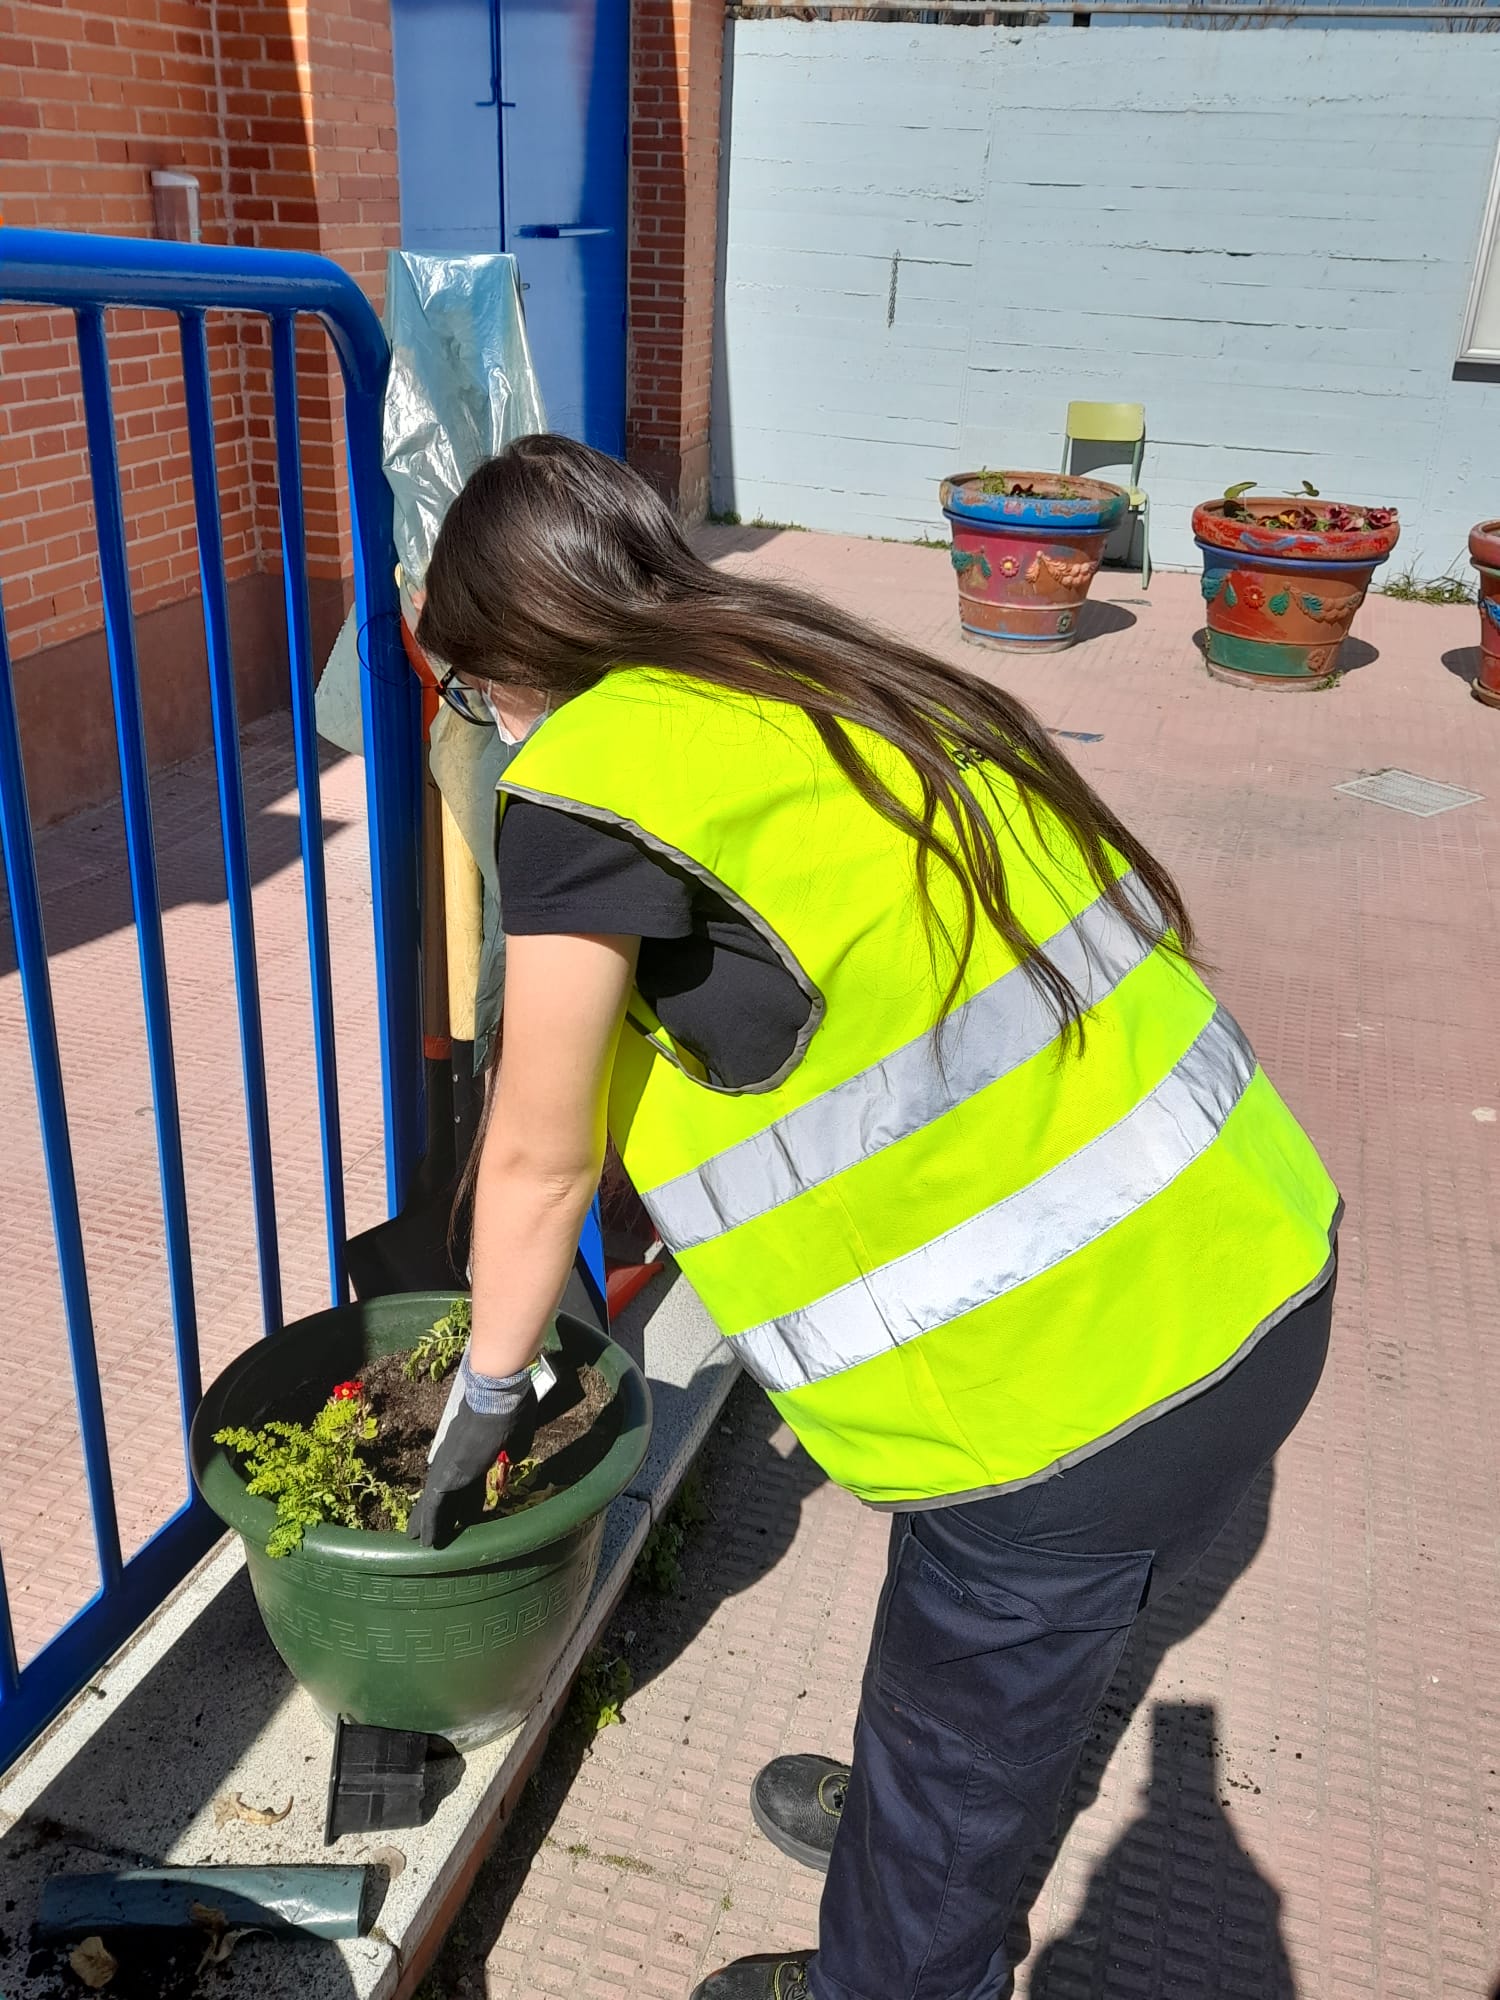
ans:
x=1025 y=560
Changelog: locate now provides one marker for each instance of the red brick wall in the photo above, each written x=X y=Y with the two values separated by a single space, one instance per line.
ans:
x=88 y=105
x=678 y=50
x=284 y=111
x=292 y=139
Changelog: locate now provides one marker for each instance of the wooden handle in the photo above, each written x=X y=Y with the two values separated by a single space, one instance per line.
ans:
x=434 y=926
x=463 y=915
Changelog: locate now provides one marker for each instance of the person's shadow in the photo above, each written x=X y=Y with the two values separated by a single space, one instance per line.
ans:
x=1163 y=1624
x=1177 y=1906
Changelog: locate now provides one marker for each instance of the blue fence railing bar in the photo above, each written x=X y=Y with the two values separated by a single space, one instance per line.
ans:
x=88 y=275
x=305 y=740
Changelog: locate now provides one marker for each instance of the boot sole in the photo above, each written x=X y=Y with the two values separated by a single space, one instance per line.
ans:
x=815 y=1858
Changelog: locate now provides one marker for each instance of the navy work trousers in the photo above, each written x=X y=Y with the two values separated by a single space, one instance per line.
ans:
x=997 y=1634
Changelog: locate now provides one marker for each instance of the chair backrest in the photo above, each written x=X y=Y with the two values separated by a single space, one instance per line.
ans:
x=1105 y=424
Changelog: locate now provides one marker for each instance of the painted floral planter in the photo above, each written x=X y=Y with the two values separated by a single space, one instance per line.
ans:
x=1484 y=553
x=1025 y=559
x=1281 y=601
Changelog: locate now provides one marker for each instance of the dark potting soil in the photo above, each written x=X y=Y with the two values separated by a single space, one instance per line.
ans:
x=575 y=1432
x=154 y=1965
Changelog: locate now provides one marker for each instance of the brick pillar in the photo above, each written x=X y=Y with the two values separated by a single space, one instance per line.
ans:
x=677 y=73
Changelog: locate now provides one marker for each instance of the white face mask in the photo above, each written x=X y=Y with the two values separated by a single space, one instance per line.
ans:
x=506 y=733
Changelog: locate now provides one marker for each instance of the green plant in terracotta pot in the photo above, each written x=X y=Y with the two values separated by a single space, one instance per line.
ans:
x=1282 y=579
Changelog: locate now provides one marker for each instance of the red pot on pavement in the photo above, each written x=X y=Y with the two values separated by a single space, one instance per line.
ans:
x=1280 y=599
x=1484 y=553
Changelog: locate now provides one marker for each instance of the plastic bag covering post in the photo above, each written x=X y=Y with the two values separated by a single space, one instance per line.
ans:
x=461 y=386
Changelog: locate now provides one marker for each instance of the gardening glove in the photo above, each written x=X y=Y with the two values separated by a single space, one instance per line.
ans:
x=485 y=1414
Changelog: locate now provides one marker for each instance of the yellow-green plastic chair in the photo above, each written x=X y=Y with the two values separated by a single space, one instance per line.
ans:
x=1115 y=423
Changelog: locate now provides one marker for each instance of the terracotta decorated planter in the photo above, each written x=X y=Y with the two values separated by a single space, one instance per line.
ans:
x=1026 y=546
x=1281 y=595
x=1484 y=553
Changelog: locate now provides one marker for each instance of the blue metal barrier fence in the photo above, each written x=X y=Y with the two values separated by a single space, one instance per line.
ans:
x=87 y=275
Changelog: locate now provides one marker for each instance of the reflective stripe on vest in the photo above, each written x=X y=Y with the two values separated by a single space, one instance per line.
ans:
x=1018 y=1238
x=995 y=1031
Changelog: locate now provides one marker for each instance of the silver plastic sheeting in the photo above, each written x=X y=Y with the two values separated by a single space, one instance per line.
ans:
x=461 y=385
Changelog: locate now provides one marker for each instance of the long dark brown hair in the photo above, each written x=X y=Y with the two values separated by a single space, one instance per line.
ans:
x=556 y=564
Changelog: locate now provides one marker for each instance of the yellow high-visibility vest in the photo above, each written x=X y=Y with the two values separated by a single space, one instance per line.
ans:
x=957 y=1254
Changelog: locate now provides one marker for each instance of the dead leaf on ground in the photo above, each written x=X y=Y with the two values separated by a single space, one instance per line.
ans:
x=94 y=1963
x=221 y=1940
x=235 y=1808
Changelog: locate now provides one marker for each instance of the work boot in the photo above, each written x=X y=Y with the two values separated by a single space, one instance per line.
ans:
x=769 y=1977
x=797 y=1802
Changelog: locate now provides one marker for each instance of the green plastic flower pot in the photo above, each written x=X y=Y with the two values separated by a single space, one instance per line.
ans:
x=456 y=1641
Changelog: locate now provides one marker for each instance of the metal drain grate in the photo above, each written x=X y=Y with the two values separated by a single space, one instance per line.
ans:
x=1404 y=792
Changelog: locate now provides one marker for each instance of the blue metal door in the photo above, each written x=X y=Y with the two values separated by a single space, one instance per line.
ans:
x=447 y=126
x=513 y=134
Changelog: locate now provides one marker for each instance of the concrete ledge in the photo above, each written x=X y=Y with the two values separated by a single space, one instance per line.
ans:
x=197 y=1711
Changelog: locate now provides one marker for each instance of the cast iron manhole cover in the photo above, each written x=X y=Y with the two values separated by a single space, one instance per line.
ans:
x=1404 y=792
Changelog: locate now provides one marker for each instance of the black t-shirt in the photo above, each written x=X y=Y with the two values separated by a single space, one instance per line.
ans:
x=712 y=979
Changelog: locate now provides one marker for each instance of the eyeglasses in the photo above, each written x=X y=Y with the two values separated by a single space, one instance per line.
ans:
x=465 y=700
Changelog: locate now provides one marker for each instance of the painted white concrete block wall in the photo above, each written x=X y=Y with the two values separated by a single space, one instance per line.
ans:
x=934 y=237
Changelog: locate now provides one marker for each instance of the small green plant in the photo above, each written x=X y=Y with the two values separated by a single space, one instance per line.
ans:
x=628 y=1864
x=599 y=1695
x=1005 y=486
x=728 y=518
x=1444 y=589
x=658 y=1568
x=507 y=1481
x=440 y=1349
x=316 y=1472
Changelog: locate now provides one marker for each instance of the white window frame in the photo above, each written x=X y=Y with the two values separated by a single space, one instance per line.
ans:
x=1486 y=285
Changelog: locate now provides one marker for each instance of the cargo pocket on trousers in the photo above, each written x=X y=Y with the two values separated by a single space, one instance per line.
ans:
x=1015 y=1659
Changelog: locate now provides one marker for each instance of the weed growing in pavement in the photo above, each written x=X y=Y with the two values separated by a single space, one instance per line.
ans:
x=658 y=1568
x=1444 y=589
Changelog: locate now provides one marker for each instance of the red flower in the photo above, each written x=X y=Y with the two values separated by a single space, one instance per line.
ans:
x=348 y=1392
x=496 y=1481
